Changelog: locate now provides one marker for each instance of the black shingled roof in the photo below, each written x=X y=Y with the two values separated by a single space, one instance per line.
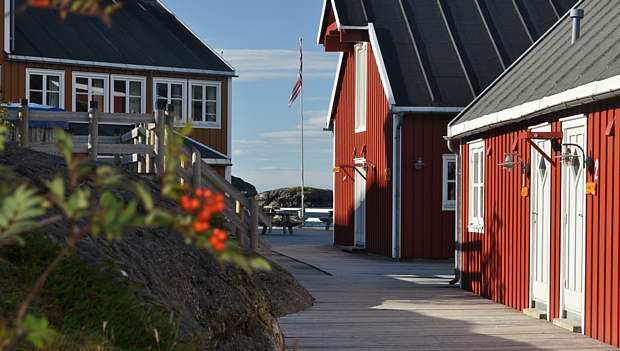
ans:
x=554 y=65
x=443 y=53
x=143 y=32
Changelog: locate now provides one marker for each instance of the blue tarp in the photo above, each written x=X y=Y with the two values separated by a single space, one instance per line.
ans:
x=37 y=107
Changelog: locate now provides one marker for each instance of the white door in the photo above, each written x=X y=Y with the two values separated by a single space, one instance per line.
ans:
x=540 y=221
x=360 y=205
x=573 y=220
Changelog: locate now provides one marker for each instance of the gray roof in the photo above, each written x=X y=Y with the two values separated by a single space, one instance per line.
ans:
x=443 y=53
x=554 y=65
x=143 y=32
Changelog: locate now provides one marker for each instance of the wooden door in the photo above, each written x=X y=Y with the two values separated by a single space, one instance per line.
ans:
x=573 y=220
x=360 y=205
x=540 y=223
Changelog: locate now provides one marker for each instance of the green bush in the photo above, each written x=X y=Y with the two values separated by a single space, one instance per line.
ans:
x=78 y=298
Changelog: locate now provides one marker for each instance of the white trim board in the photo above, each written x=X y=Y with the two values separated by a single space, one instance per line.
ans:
x=385 y=79
x=597 y=90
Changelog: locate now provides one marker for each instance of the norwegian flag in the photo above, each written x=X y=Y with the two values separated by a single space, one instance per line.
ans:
x=297 y=87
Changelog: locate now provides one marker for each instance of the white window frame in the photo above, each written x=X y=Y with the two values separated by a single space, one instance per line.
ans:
x=446 y=204
x=476 y=223
x=361 y=82
x=218 y=110
x=91 y=75
x=45 y=73
x=184 y=99
x=127 y=79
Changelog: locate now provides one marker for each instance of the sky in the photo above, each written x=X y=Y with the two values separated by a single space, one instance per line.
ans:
x=260 y=39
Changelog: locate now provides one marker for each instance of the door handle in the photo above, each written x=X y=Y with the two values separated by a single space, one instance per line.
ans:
x=534 y=213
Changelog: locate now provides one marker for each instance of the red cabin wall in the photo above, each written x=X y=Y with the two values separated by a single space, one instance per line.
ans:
x=350 y=145
x=426 y=230
x=495 y=264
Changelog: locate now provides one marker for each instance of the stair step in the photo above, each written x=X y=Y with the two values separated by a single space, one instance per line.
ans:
x=535 y=312
x=567 y=324
x=353 y=249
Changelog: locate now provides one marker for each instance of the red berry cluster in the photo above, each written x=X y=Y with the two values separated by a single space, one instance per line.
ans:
x=204 y=204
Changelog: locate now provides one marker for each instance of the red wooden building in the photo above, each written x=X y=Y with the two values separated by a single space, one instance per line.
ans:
x=406 y=68
x=546 y=240
x=147 y=55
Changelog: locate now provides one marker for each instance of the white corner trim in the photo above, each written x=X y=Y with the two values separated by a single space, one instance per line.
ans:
x=330 y=110
x=597 y=90
x=8 y=18
x=335 y=13
x=229 y=119
x=374 y=42
x=318 y=36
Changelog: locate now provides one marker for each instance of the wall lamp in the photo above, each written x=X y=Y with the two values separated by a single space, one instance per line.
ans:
x=419 y=165
x=509 y=164
x=569 y=158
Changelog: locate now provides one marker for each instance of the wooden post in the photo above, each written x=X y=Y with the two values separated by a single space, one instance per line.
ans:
x=241 y=213
x=93 y=130
x=197 y=173
x=254 y=224
x=159 y=131
x=24 y=120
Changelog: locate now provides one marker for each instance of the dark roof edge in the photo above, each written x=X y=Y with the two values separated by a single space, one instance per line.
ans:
x=514 y=64
x=318 y=37
x=385 y=79
x=179 y=70
x=206 y=147
x=194 y=34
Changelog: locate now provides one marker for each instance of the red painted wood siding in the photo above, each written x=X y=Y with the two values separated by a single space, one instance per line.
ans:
x=496 y=264
x=378 y=141
x=426 y=231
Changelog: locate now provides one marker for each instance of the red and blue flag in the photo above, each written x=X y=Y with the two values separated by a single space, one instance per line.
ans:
x=297 y=87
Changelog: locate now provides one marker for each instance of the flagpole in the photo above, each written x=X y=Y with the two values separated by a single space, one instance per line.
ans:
x=301 y=116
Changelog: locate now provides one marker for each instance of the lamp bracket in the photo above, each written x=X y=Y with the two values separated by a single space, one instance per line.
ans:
x=525 y=168
x=587 y=160
x=355 y=167
x=541 y=152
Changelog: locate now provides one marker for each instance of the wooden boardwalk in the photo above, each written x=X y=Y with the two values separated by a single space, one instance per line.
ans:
x=367 y=303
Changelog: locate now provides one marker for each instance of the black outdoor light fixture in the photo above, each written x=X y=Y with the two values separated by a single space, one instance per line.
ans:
x=569 y=158
x=509 y=164
x=419 y=165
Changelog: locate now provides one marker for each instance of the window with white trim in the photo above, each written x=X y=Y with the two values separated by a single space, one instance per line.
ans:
x=360 y=87
x=171 y=92
x=205 y=103
x=448 y=202
x=476 y=187
x=128 y=94
x=87 y=87
x=45 y=87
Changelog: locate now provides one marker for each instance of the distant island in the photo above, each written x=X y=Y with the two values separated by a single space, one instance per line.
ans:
x=286 y=197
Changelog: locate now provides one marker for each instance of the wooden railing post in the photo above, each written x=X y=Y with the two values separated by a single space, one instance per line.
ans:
x=241 y=213
x=196 y=169
x=24 y=120
x=159 y=132
x=93 y=130
x=254 y=224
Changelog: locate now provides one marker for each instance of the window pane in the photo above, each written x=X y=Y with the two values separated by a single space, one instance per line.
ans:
x=135 y=88
x=36 y=97
x=81 y=85
x=196 y=110
x=475 y=203
x=119 y=104
x=210 y=113
x=120 y=88
x=53 y=83
x=452 y=191
x=177 y=105
x=451 y=170
x=81 y=103
x=475 y=169
x=162 y=90
x=99 y=99
x=161 y=101
x=176 y=91
x=135 y=105
x=97 y=87
x=36 y=82
x=211 y=93
x=53 y=99
x=196 y=92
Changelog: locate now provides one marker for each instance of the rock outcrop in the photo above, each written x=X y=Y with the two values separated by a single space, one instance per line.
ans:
x=244 y=187
x=223 y=307
x=291 y=197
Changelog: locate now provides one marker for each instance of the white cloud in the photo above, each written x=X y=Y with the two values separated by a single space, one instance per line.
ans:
x=280 y=64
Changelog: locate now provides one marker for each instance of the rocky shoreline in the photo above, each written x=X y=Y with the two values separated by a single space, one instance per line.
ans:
x=286 y=197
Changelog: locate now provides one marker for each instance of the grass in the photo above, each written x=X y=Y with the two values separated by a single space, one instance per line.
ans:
x=78 y=298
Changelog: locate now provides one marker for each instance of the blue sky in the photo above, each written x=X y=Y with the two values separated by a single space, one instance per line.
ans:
x=260 y=39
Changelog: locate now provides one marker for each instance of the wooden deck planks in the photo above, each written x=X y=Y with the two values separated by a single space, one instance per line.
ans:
x=369 y=303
